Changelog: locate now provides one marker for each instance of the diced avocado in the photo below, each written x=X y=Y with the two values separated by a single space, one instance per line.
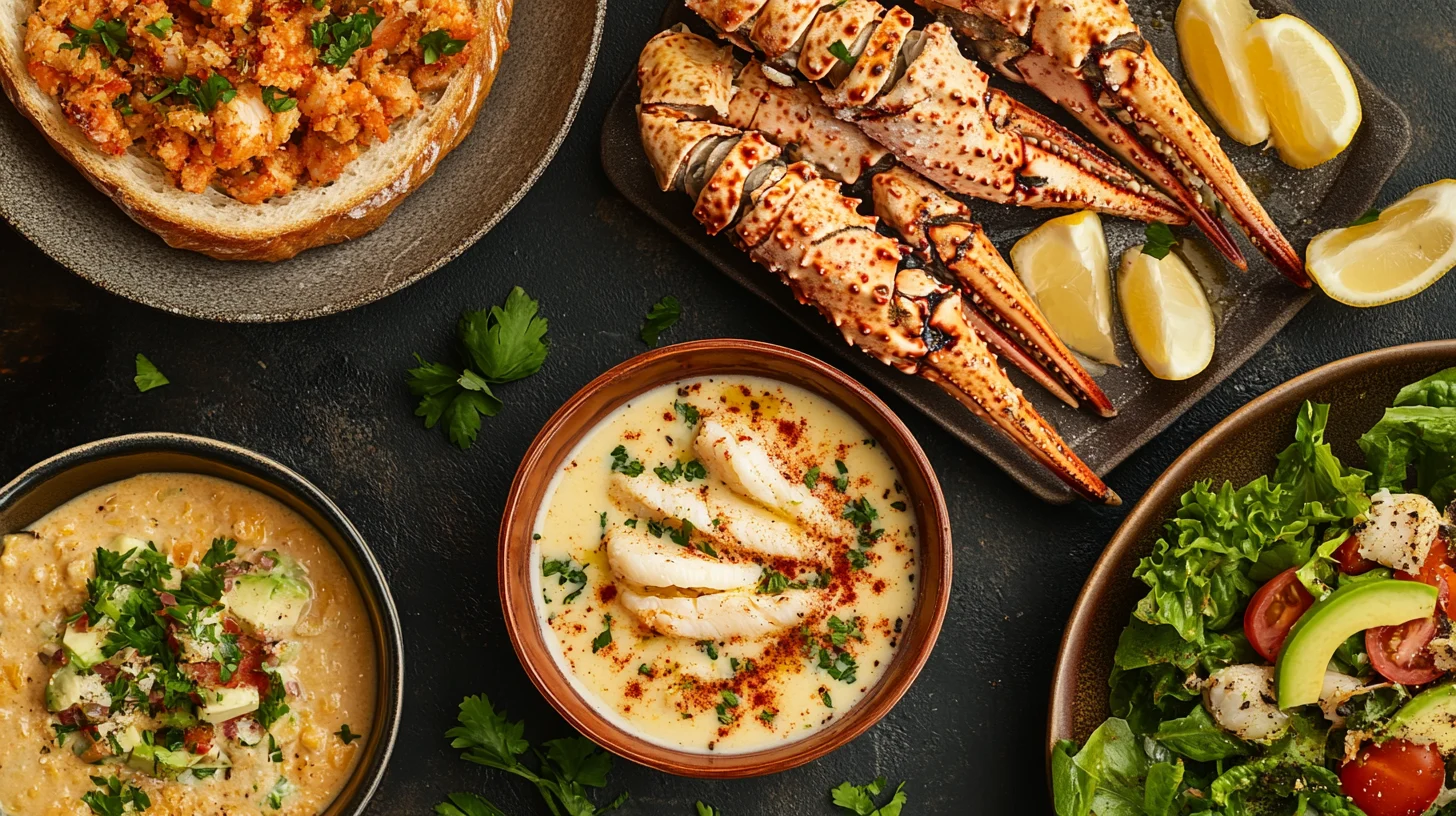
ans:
x=112 y=605
x=270 y=604
x=157 y=761
x=63 y=690
x=177 y=719
x=1430 y=717
x=222 y=704
x=84 y=648
x=129 y=739
x=1300 y=671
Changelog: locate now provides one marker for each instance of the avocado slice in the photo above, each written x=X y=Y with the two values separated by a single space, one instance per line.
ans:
x=222 y=704
x=270 y=604
x=84 y=648
x=1300 y=671
x=1430 y=717
x=157 y=761
x=68 y=688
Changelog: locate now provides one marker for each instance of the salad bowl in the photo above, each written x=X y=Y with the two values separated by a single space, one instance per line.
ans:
x=1241 y=448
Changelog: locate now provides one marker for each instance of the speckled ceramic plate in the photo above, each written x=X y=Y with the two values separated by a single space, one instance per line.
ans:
x=1241 y=448
x=1252 y=306
x=522 y=122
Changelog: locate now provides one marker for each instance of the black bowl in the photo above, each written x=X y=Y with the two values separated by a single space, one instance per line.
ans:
x=57 y=480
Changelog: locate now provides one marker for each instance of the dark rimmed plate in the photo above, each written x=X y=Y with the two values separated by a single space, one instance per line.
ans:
x=54 y=481
x=1254 y=305
x=553 y=45
x=1240 y=448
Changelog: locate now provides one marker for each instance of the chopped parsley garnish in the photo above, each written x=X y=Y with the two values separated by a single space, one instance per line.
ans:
x=840 y=632
x=860 y=799
x=657 y=528
x=346 y=735
x=729 y=698
x=621 y=464
x=645 y=670
x=857 y=560
x=841 y=482
x=162 y=28
x=767 y=716
x=503 y=344
x=687 y=471
x=115 y=798
x=337 y=40
x=437 y=43
x=774 y=582
x=272 y=708
x=275 y=754
x=898 y=505
x=1159 y=240
x=710 y=648
x=631 y=522
x=686 y=411
x=110 y=34
x=147 y=376
x=601 y=641
x=841 y=52
x=840 y=665
x=826 y=699
x=663 y=314
x=205 y=95
x=570 y=573
x=811 y=478
x=282 y=789
x=122 y=103
x=278 y=99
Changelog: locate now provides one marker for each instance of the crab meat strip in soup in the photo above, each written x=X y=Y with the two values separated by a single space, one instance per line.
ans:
x=725 y=564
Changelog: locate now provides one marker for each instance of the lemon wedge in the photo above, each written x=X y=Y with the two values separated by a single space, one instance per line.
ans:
x=1409 y=247
x=1314 y=109
x=1063 y=264
x=1166 y=314
x=1213 y=41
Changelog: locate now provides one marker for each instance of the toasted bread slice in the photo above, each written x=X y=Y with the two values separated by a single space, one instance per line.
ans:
x=227 y=229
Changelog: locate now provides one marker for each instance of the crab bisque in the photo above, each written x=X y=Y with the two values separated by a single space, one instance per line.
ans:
x=196 y=646
x=725 y=564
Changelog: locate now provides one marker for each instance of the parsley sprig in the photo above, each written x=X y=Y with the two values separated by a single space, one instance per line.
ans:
x=437 y=43
x=205 y=95
x=503 y=344
x=110 y=34
x=1160 y=240
x=337 y=40
x=147 y=376
x=860 y=799
x=663 y=314
x=115 y=798
x=567 y=767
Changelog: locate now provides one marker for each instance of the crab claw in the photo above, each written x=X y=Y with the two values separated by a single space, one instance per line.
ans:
x=1089 y=57
x=941 y=231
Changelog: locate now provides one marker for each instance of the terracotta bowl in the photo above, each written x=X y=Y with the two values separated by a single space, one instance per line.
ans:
x=1240 y=448
x=722 y=357
x=70 y=473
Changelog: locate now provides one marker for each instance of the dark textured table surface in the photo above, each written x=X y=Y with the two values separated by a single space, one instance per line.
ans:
x=327 y=397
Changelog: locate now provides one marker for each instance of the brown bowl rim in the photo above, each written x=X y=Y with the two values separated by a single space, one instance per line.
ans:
x=518 y=604
x=283 y=484
x=1152 y=507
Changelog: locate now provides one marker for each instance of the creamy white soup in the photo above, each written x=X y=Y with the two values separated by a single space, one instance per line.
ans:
x=725 y=564
x=178 y=644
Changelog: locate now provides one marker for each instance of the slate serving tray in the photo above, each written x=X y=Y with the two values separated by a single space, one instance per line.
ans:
x=1251 y=307
x=543 y=75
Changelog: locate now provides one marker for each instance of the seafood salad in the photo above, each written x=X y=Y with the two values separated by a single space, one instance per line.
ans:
x=1294 y=651
x=725 y=564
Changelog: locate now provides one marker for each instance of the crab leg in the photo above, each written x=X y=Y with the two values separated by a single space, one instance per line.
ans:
x=916 y=94
x=800 y=226
x=938 y=227
x=1089 y=57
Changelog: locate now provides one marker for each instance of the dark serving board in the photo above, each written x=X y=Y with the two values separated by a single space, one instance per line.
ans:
x=1252 y=307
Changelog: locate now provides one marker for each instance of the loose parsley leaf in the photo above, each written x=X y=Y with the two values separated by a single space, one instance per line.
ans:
x=278 y=99
x=840 y=665
x=570 y=572
x=162 y=28
x=860 y=512
x=686 y=411
x=1370 y=216
x=205 y=95
x=774 y=582
x=708 y=810
x=272 y=708
x=506 y=343
x=694 y=470
x=467 y=804
x=826 y=699
x=860 y=799
x=669 y=474
x=1160 y=240
x=857 y=560
x=663 y=314
x=111 y=34
x=339 y=39
x=621 y=465
x=603 y=640
x=147 y=376
x=840 y=632
x=347 y=735
x=115 y=798
x=811 y=478
x=438 y=44
x=841 y=52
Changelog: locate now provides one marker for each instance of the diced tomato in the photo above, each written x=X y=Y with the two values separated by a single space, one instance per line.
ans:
x=1349 y=559
x=198 y=738
x=1272 y=612
x=1437 y=571
x=1394 y=778
x=1399 y=652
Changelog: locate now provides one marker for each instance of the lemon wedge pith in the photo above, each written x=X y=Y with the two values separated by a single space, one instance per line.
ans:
x=1166 y=313
x=1212 y=39
x=1313 y=107
x=1409 y=247
x=1063 y=264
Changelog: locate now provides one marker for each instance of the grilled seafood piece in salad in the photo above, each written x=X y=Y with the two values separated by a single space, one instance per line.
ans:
x=915 y=93
x=1090 y=57
x=798 y=224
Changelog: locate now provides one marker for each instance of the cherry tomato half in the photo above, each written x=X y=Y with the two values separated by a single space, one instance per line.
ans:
x=1272 y=612
x=1399 y=652
x=1394 y=778
x=1349 y=559
x=1430 y=568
